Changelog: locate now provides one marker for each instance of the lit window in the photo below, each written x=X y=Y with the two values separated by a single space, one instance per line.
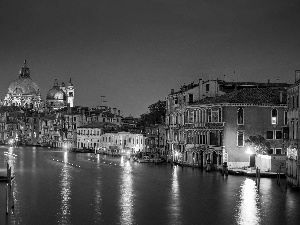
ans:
x=240 y=115
x=240 y=138
x=274 y=116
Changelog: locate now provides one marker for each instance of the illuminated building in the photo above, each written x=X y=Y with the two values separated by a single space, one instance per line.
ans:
x=176 y=109
x=293 y=164
x=121 y=142
x=218 y=127
x=60 y=96
x=23 y=92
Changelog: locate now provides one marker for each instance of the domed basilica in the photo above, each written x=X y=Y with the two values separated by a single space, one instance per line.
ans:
x=24 y=92
x=60 y=95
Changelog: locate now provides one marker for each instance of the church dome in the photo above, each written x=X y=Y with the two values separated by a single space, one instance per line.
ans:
x=55 y=93
x=24 y=85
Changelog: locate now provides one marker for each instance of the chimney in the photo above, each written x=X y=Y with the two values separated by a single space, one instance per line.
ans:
x=268 y=81
x=280 y=96
x=172 y=91
x=119 y=112
x=115 y=111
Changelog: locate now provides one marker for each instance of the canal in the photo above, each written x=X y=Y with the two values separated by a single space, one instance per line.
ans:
x=56 y=187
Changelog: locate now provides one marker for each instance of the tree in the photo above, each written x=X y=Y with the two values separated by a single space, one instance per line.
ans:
x=156 y=114
x=261 y=146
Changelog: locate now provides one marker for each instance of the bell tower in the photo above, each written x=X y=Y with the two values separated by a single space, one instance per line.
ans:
x=70 y=94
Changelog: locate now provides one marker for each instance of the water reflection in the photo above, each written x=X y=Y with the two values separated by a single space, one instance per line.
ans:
x=248 y=211
x=175 y=196
x=65 y=184
x=97 y=195
x=126 y=200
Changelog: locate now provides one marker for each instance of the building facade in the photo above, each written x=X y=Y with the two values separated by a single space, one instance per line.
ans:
x=293 y=164
x=23 y=92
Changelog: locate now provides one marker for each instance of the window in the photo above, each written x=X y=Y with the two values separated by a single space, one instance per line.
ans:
x=269 y=134
x=191 y=98
x=176 y=100
x=207 y=87
x=271 y=151
x=240 y=116
x=191 y=117
x=274 y=116
x=209 y=115
x=215 y=115
x=278 y=134
x=285 y=133
x=285 y=118
x=278 y=151
x=240 y=138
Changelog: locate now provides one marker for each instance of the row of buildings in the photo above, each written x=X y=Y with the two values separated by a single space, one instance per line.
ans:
x=209 y=122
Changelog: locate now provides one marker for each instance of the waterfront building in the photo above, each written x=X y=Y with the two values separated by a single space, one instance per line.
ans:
x=155 y=141
x=23 y=92
x=177 y=102
x=88 y=136
x=122 y=142
x=293 y=164
x=217 y=128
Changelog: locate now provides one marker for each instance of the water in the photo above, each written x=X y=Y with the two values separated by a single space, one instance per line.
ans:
x=111 y=190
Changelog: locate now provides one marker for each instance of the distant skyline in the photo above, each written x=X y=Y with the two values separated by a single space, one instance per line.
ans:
x=135 y=51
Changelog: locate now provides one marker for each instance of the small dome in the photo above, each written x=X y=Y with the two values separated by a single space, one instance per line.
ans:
x=56 y=93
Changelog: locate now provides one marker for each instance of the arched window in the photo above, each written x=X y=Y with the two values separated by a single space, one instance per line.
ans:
x=240 y=116
x=274 y=116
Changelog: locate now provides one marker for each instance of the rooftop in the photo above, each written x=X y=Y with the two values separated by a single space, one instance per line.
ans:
x=250 y=96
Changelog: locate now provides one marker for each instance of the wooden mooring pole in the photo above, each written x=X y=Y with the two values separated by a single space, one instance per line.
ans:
x=258 y=179
x=256 y=175
x=6 y=199
x=279 y=175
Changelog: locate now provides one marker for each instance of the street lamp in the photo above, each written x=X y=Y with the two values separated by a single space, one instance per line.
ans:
x=249 y=152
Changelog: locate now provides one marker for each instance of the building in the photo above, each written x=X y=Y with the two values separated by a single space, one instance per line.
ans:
x=89 y=136
x=60 y=96
x=177 y=103
x=122 y=142
x=23 y=92
x=217 y=128
x=292 y=163
x=155 y=141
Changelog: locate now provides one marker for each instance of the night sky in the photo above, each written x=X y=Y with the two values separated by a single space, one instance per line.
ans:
x=135 y=51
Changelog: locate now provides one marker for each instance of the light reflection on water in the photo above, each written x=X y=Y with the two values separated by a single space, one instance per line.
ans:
x=65 y=193
x=97 y=196
x=175 y=196
x=126 y=200
x=248 y=211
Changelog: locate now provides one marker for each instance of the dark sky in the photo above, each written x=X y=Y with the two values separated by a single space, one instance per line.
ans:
x=135 y=51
